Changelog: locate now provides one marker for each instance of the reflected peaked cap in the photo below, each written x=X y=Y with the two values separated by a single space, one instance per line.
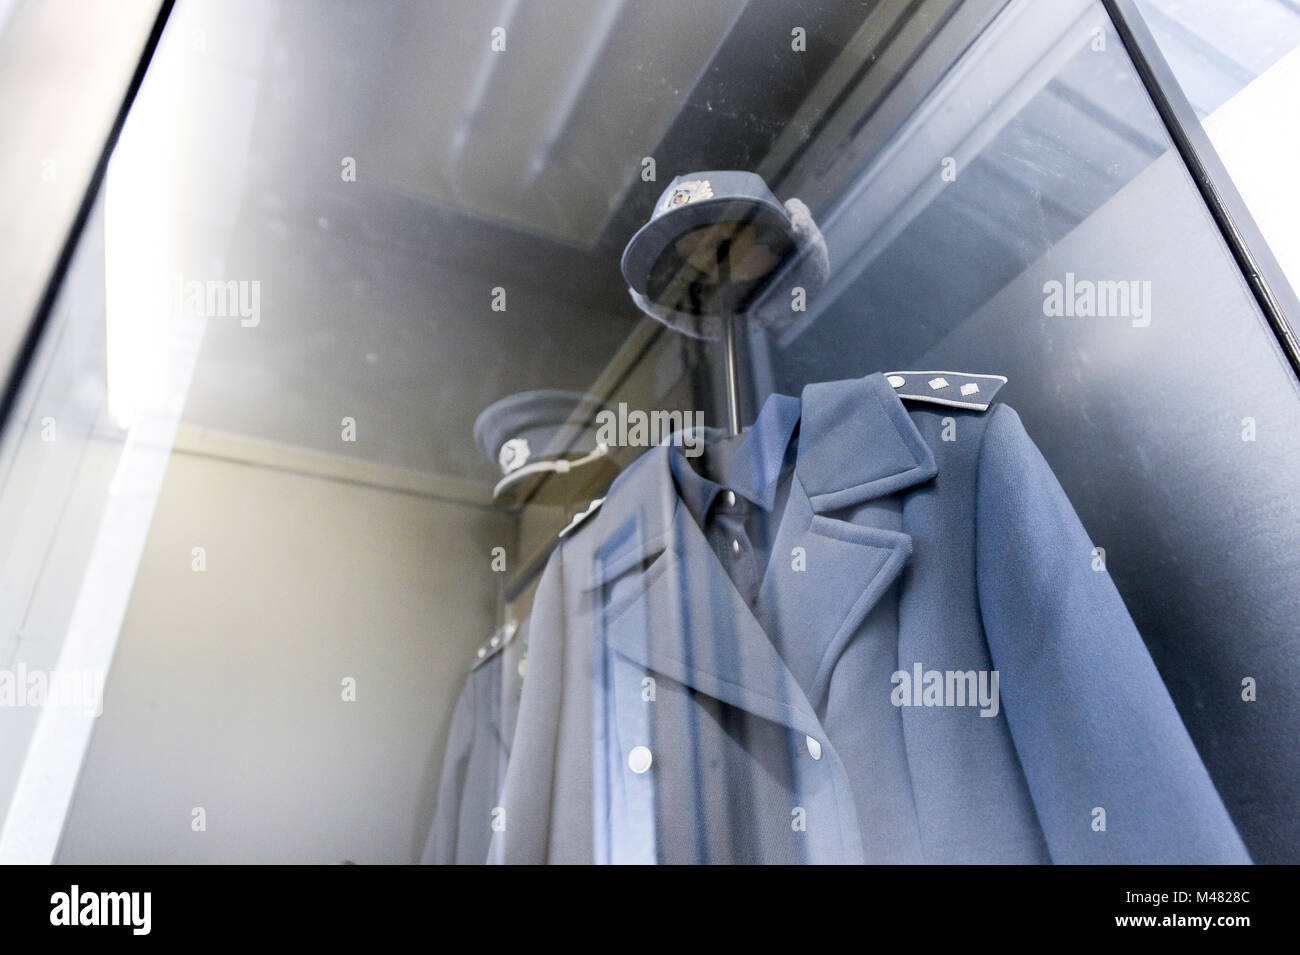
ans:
x=522 y=427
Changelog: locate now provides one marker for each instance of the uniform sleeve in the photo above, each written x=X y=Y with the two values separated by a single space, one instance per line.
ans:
x=1113 y=774
x=440 y=847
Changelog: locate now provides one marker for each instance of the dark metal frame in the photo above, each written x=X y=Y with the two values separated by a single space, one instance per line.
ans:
x=26 y=353
x=1268 y=283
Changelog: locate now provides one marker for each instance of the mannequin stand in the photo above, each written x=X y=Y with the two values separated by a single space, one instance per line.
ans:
x=733 y=382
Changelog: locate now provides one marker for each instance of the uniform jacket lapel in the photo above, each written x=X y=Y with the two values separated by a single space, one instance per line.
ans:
x=686 y=621
x=857 y=445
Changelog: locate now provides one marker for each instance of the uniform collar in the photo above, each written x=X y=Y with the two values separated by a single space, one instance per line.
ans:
x=859 y=444
x=756 y=468
x=856 y=442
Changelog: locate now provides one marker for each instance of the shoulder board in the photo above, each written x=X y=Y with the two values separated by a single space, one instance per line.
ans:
x=581 y=517
x=495 y=644
x=955 y=389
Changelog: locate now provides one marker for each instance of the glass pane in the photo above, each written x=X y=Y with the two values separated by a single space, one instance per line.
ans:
x=1238 y=65
x=64 y=69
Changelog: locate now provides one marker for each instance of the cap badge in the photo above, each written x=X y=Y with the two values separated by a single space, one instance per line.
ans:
x=683 y=193
x=514 y=454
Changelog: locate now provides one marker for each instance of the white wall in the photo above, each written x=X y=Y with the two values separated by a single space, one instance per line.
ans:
x=225 y=690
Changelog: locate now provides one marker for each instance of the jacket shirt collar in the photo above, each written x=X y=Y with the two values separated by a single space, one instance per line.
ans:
x=757 y=467
x=856 y=442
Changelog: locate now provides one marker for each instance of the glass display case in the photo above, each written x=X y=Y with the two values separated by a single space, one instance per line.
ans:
x=608 y=432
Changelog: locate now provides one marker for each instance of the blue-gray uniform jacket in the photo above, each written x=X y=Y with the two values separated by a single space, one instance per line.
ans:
x=478 y=746
x=887 y=638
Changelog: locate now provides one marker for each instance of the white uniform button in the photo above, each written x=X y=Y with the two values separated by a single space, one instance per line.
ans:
x=482 y=652
x=731 y=499
x=639 y=759
x=735 y=546
x=897 y=381
x=814 y=747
